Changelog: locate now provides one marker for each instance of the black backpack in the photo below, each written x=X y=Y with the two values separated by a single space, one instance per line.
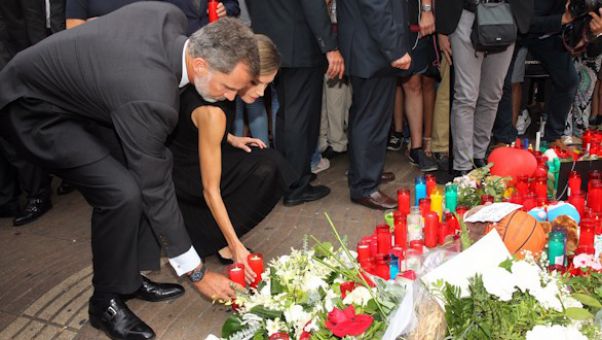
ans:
x=494 y=28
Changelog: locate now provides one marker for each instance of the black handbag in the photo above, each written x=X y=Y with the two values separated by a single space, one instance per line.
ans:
x=494 y=28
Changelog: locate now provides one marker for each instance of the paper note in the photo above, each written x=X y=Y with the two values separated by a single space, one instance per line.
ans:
x=493 y=212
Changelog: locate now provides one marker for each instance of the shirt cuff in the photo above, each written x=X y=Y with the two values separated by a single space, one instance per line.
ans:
x=186 y=262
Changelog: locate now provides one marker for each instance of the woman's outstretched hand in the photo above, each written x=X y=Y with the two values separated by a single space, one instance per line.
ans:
x=245 y=143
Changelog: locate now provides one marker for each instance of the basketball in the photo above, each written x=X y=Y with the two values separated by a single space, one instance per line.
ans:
x=521 y=231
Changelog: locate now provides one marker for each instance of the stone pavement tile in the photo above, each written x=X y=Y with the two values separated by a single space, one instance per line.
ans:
x=48 y=332
x=66 y=313
x=80 y=318
x=58 y=289
x=66 y=334
x=64 y=299
x=12 y=328
x=6 y=319
x=30 y=330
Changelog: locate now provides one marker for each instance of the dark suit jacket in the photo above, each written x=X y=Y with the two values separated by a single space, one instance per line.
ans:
x=448 y=14
x=122 y=71
x=547 y=17
x=372 y=34
x=196 y=11
x=301 y=29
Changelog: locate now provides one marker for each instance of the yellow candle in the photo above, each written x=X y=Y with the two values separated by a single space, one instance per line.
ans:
x=437 y=203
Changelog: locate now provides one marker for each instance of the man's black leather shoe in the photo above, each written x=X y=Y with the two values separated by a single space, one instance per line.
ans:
x=155 y=292
x=10 y=209
x=479 y=162
x=118 y=321
x=311 y=193
x=35 y=208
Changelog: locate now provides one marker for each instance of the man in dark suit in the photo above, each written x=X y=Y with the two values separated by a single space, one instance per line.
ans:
x=373 y=35
x=196 y=11
x=121 y=73
x=301 y=29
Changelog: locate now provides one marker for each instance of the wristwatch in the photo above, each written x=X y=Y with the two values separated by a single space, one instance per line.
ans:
x=426 y=7
x=197 y=274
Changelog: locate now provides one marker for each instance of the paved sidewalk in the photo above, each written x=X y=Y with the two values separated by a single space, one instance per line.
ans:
x=45 y=267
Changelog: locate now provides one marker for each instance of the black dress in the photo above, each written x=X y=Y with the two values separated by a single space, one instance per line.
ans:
x=251 y=183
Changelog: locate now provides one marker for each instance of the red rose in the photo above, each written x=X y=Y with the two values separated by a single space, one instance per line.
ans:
x=345 y=322
x=347 y=287
x=279 y=336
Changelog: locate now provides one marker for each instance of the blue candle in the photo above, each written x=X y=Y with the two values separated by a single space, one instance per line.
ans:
x=420 y=189
x=393 y=266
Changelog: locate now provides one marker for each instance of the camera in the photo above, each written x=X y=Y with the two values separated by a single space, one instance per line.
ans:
x=581 y=8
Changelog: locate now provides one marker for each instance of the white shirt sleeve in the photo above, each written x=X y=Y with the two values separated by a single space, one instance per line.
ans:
x=186 y=262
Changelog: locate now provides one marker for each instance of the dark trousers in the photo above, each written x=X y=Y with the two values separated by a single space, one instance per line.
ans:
x=503 y=130
x=17 y=173
x=369 y=122
x=122 y=241
x=561 y=68
x=298 y=119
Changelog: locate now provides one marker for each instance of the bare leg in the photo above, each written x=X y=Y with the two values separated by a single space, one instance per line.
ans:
x=398 y=110
x=428 y=102
x=412 y=88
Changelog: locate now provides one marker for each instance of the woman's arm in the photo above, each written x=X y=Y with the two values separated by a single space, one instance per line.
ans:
x=211 y=124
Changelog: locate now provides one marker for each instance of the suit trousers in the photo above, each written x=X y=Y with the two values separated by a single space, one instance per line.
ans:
x=31 y=178
x=369 y=123
x=479 y=79
x=560 y=65
x=122 y=241
x=298 y=119
x=503 y=129
x=336 y=101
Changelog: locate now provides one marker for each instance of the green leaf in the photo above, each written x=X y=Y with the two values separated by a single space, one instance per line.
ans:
x=587 y=300
x=266 y=313
x=507 y=264
x=276 y=286
x=578 y=313
x=232 y=325
x=323 y=249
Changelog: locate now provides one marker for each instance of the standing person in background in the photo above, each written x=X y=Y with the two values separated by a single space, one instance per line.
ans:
x=479 y=78
x=79 y=11
x=374 y=41
x=196 y=11
x=24 y=23
x=301 y=30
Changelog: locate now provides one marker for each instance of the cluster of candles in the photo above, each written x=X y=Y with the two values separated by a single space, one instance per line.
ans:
x=397 y=249
x=592 y=142
x=236 y=272
x=590 y=228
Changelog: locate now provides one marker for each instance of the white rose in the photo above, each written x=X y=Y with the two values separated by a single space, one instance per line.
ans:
x=499 y=282
x=359 y=296
x=555 y=332
x=526 y=276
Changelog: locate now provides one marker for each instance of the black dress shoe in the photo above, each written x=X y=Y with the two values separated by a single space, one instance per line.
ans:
x=118 y=321
x=155 y=292
x=64 y=188
x=377 y=200
x=35 y=208
x=479 y=162
x=10 y=209
x=311 y=193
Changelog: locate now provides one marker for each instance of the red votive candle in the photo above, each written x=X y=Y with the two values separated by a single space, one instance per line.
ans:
x=540 y=187
x=384 y=239
x=452 y=223
x=586 y=235
x=236 y=273
x=401 y=233
x=529 y=202
x=591 y=176
x=212 y=10
x=403 y=201
x=594 y=195
x=363 y=251
x=578 y=201
x=425 y=206
x=431 y=184
x=373 y=246
x=574 y=182
x=431 y=223
x=382 y=266
x=256 y=264
x=461 y=210
x=443 y=232
x=486 y=199
x=417 y=246
x=522 y=185
x=516 y=198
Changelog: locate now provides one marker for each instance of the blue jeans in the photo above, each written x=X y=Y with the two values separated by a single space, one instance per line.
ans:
x=256 y=115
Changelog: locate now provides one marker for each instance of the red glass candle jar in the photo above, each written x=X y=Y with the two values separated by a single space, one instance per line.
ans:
x=403 y=201
x=255 y=262
x=431 y=184
x=236 y=273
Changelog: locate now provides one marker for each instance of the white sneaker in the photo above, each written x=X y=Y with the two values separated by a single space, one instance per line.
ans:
x=323 y=164
x=523 y=122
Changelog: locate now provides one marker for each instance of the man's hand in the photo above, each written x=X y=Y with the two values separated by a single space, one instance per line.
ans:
x=336 y=64
x=243 y=143
x=567 y=18
x=217 y=287
x=445 y=47
x=427 y=24
x=595 y=25
x=402 y=63
x=221 y=10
